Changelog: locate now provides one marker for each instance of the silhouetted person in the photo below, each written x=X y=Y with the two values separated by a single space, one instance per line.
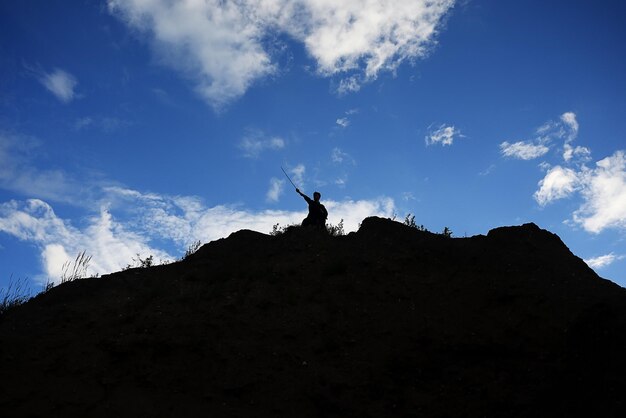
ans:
x=317 y=212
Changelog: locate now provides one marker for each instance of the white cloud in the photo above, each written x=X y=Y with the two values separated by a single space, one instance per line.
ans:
x=54 y=258
x=221 y=45
x=275 y=190
x=602 y=188
x=569 y=152
x=113 y=243
x=32 y=220
x=604 y=194
x=337 y=156
x=110 y=243
x=186 y=219
x=558 y=183
x=376 y=34
x=60 y=83
x=353 y=212
x=569 y=119
x=218 y=44
x=602 y=261
x=341 y=181
x=254 y=143
x=443 y=135
x=569 y=133
x=343 y=122
x=348 y=85
x=297 y=174
x=565 y=129
x=523 y=150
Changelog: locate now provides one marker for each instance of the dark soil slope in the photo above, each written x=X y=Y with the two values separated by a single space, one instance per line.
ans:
x=388 y=321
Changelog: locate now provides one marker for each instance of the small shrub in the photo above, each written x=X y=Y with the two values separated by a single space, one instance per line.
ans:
x=336 y=230
x=146 y=262
x=279 y=230
x=409 y=221
x=192 y=249
x=141 y=262
x=76 y=269
x=447 y=232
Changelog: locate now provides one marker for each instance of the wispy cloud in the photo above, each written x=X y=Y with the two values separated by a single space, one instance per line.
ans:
x=344 y=121
x=105 y=124
x=348 y=85
x=19 y=174
x=570 y=133
x=443 y=135
x=523 y=150
x=276 y=190
x=297 y=174
x=581 y=153
x=222 y=45
x=408 y=196
x=60 y=83
x=341 y=181
x=83 y=123
x=603 y=261
x=563 y=130
x=255 y=142
x=569 y=119
x=487 y=170
x=337 y=156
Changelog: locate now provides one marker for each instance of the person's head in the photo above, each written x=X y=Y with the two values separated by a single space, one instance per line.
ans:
x=316 y=196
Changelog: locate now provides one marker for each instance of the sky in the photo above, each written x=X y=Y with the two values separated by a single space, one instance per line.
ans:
x=131 y=128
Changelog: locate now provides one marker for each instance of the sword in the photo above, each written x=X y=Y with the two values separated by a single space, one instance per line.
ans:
x=288 y=178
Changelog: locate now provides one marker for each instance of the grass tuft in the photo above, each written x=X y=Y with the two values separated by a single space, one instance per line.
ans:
x=76 y=269
x=15 y=294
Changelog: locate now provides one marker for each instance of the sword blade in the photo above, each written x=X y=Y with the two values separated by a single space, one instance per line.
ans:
x=288 y=178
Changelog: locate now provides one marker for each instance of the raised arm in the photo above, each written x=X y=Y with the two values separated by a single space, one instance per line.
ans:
x=307 y=198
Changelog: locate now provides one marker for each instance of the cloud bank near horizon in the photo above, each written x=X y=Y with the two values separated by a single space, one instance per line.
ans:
x=225 y=46
x=146 y=222
x=122 y=223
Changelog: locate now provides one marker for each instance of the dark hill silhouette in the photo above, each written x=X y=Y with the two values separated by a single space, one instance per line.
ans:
x=388 y=321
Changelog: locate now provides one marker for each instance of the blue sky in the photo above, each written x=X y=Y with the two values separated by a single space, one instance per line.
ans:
x=138 y=127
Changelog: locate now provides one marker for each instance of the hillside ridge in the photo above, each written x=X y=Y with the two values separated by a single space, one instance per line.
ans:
x=385 y=321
